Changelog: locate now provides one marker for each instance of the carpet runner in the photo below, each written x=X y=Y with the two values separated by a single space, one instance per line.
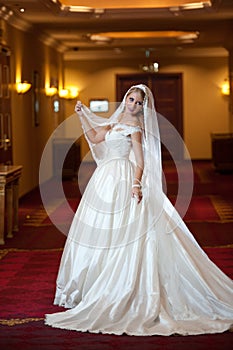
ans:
x=27 y=281
x=206 y=208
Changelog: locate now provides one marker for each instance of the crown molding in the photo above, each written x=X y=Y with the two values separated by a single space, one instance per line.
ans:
x=19 y=23
x=109 y=54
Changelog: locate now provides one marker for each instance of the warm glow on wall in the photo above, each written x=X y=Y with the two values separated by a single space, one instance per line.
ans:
x=69 y=93
x=225 y=88
x=63 y=93
x=73 y=92
x=23 y=87
x=50 y=91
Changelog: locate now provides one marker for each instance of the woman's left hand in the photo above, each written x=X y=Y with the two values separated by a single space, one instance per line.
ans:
x=137 y=194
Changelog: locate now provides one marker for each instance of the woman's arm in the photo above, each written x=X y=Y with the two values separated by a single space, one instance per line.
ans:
x=97 y=135
x=94 y=135
x=138 y=152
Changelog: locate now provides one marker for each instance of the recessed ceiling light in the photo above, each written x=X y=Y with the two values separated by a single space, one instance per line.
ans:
x=196 y=5
x=100 y=38
x=22 y=9
x=189 y=36
x=79 y=8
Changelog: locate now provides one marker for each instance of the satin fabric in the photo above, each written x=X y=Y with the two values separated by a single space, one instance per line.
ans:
x=128 y=269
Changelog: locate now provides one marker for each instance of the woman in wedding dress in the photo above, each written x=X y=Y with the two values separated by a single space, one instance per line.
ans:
x=130 y=264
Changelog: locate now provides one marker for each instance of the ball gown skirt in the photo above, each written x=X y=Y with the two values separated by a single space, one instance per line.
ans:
x=123 y=272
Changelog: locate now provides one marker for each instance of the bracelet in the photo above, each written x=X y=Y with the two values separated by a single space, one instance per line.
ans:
x=139 y=186
x=135 y=179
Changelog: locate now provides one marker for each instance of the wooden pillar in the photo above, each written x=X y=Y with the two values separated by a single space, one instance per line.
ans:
x=9 y=183
x=2 y=210
x=9 y=209
x=16 y=205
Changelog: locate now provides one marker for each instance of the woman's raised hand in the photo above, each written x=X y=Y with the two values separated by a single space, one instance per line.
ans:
x=78 y=107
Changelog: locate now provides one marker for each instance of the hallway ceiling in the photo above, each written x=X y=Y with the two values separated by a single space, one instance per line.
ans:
x=103 y=29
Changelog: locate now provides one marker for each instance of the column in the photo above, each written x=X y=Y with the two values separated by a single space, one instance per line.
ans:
x=9 y=209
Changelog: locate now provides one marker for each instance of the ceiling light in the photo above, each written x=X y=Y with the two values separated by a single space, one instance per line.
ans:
x=138 y=4
x=140 y=35
x=22 y=9
x=5 y=13
x=189 y=36
x=99 y=39
x=196 y=5
x=174 y=9
x=99 y=11
x=79 y=9
x=152 y=67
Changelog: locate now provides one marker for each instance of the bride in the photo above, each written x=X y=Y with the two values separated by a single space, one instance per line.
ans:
x=130 y=264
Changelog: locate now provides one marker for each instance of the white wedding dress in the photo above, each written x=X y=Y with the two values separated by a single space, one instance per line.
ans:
x=123 y=272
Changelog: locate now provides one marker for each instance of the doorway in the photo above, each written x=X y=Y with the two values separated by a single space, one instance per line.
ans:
x=5 y=108
x=167 y=91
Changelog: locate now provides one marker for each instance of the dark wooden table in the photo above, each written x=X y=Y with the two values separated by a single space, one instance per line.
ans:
x=9 y=199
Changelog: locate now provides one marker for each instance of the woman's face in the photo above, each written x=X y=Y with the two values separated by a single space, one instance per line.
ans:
x=134 y=103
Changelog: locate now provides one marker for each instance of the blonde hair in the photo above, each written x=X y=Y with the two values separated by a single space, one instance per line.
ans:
x=138 y=90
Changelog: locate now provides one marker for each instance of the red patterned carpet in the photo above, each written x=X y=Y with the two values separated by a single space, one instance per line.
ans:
x=27 y=280
x=36 y=336
x=210 y=208
x=29 y=263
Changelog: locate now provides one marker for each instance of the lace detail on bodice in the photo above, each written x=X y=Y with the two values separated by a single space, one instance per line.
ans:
x=126 y=129
x=118 y=141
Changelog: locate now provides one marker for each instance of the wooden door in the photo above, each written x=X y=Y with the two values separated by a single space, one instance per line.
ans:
x=5 y=108
x=167 y=91
x=125 y=81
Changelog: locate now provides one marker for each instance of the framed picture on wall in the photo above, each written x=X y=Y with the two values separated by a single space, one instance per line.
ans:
x=99 y=105
x=36 y=97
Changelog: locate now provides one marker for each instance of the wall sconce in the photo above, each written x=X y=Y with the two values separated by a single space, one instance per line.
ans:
x=63 y=93
x=68 y=93
x=225 y=88
x=23 y=87
x=73 y=92
x=50 y=91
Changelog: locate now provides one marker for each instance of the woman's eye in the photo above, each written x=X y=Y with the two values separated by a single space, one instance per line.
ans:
x=131 y=99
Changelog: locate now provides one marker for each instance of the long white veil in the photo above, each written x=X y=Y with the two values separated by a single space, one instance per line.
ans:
x=152 y=187
x=159 y=214
x=151 y=138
